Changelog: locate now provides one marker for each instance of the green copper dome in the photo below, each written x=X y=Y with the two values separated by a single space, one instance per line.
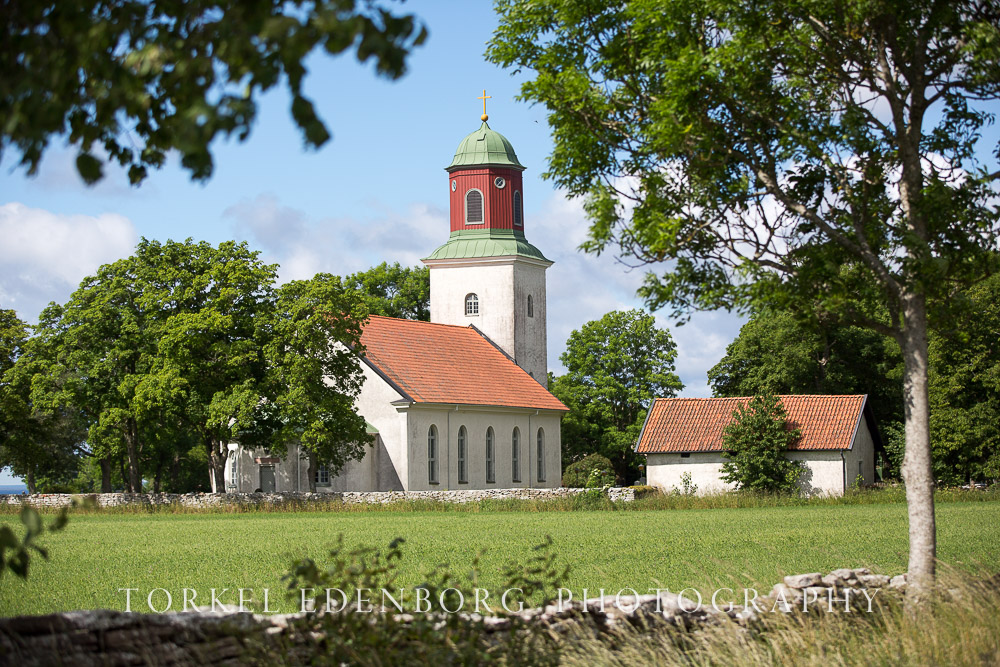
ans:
x=485 y=147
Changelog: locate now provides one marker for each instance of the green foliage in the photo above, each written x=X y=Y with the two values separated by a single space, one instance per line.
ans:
x=186 y=346
x=591 y=468
x=136 y=80
x=615 y=366
x=778 y=353
x=824 y=157
x=394 y=291
x=41 y=445
x=756 y=442
x=432 y=633
x=303 y=407
x=965 y=389
x=688 y=487
x=15 y=554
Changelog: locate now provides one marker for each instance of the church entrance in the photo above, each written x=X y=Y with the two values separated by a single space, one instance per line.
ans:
x=267 y=478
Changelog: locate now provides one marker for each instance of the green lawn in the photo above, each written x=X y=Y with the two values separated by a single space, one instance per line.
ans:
x=99 y=553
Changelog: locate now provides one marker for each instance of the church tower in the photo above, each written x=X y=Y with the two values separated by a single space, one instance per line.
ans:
x=487 y=274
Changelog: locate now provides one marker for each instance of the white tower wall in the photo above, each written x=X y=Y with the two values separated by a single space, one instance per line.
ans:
x=503 y=285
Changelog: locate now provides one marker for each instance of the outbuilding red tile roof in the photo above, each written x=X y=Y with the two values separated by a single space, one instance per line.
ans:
x=442 y=363
x=696 y=424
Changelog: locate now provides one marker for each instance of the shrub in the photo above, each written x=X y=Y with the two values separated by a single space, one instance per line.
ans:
x=579 y=475
x=429 y=635
x=755 y=443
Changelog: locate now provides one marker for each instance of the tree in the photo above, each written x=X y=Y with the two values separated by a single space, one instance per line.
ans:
x=593 y=471
x=965 y=391
x=760 y=148
x=394 y=291
x=615 y=367
x=315 y=374
x=13 y=334
x=137 y=79
x=777 y=353
x=755 y=443
x=42 y=446
x=210 y=368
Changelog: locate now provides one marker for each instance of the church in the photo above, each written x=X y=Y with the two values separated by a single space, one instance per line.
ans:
x=460 y=402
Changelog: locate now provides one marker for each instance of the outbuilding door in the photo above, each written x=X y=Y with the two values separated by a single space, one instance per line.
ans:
x=267 y=478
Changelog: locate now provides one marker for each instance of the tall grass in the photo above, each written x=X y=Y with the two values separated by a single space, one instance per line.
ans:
x=645 y=501
x=959 y=627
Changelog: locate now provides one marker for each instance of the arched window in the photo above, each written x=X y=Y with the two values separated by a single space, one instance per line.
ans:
x=518 y=215
x=432 y=457
x=473 y=207
x=471 y=304
x=463 y=464
x=515 y=455
x=531 y=307
x=541 y=455
x=491 y=475
x=234 y=478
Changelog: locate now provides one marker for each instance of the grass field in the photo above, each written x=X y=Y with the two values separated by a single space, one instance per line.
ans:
x=99 y=553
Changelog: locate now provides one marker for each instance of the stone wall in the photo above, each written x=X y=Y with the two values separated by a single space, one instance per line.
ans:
x=104 y=637
x=213 y=500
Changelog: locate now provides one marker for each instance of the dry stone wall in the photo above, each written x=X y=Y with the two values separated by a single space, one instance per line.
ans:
x=105 y=637
x=212 y=500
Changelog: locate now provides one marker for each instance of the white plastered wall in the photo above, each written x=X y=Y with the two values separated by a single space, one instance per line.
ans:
x=824 y=474
x=492 y=282
x=449 y=420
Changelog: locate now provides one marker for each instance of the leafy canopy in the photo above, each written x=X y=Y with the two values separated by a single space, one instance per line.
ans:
x=392 y=290
x=759 y=147
x=755 y=442
x=615 y=366
x=135 y=79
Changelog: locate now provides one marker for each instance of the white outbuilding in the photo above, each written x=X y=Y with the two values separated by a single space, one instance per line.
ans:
x=838 y=442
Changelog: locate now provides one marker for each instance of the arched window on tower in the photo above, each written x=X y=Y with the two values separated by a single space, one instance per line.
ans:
x=518 y=214
x=473 y=207
x=471 y=304
x=531 y=308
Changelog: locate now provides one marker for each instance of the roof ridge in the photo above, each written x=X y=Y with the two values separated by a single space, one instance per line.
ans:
x=734 y=398
x=422 y=322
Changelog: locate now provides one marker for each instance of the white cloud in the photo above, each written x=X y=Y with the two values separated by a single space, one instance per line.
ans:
x=583 y=287
x=45 y=255
x=304 y=247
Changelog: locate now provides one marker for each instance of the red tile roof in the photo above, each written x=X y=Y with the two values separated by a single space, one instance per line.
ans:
x=696 y=424
x=441 y=363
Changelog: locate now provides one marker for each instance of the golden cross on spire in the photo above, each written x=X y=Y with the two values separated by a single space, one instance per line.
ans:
x=484 y=97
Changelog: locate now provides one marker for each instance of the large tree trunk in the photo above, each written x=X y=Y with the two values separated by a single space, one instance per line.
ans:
x=125 y=482
x=917 y=471
x=216 y=466
x=29 y=480
x=132 y=448
x=106 y=474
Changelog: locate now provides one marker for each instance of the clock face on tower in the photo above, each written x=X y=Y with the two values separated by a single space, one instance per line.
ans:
x=499 y=182
x=454 y=185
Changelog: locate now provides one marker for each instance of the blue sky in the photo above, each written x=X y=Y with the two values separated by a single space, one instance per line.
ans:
x=377 y=191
